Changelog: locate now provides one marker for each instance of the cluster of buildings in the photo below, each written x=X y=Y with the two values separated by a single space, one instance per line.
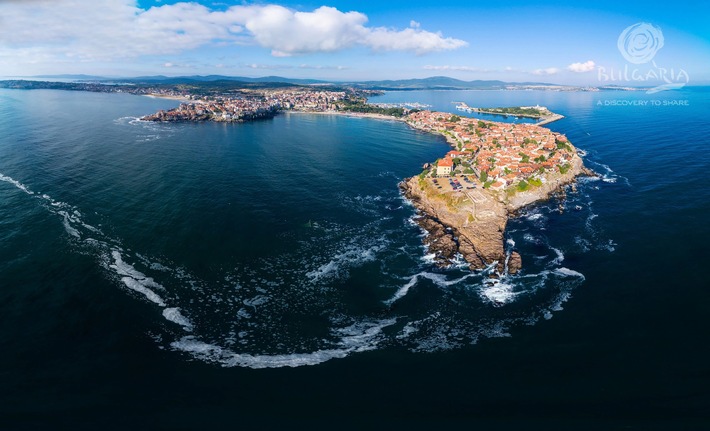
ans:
x=251 y=106
x=499 y=154
x=305 y=100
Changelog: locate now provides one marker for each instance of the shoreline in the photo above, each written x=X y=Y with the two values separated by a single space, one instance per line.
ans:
x=472 y=222
x=181 y=99
x=349 y=114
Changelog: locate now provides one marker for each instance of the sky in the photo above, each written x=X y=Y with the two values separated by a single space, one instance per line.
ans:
x=575 y=43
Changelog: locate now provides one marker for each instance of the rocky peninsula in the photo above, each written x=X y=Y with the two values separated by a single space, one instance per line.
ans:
x=465 y=198
x=495 y=169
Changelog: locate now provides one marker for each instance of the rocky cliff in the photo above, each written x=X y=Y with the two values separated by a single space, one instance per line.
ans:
x=473 y=222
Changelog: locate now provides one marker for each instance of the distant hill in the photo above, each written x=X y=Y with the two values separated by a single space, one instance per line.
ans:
x=432 y=83
x=219 y=78
x=79 y=77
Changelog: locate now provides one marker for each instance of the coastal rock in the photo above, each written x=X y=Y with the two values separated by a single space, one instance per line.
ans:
x=480 y=241
x=476 y=229
x=515 y=263
x=440 y=241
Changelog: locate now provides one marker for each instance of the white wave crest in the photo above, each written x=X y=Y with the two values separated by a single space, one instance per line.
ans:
x=352 y=257
x=174 y=315
x=16 y=183
x=569 y=272
x=438 y=279
x=138 y=287
x=497 y=292
x=356 y=338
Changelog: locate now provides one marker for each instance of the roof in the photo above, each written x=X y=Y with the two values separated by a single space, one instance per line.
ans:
x=445 y=162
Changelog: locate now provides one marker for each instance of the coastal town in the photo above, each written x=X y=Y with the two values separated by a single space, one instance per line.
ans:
x=465 y=198
x=493 y=170
x=498 y=155
x=258 y=104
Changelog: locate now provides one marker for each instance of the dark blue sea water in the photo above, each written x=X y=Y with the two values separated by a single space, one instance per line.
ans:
x=192 y=276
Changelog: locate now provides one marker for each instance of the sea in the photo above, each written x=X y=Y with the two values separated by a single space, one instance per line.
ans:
x=270 y=275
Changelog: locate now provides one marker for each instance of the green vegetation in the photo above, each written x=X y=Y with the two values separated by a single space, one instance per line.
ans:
x=484 y=176
x=468 y=171
x=454 y=119
x=561 y=145
x=523 y=185
x=507 y=171
x=524 y=158
x=487 y=184
x=537 y=182
x=527 y=112
x=540 y=159
x=359 y=105
x=564 y=168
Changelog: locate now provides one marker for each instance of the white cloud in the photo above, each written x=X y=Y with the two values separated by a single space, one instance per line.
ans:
x=89 y=30
x=457 y=68
x=268 y=66
x=327 y=29
x=587 y=66
x=84 y=29
x=547 y=71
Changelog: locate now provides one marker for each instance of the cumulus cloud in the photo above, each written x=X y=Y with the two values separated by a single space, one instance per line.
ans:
x=587 y=66
x=326 y=29
x=546 y=71
x=111 y=29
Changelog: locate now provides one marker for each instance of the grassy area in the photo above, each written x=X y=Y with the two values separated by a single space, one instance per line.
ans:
x=359 y=105
x=529 y=112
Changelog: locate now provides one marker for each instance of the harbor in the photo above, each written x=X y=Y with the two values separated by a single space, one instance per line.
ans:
x=537 y=112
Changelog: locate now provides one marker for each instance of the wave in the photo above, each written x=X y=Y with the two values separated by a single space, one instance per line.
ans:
x=353 y=256
x=497 y=292
x=228 y=322
x=16 y=183
x=174 y=315
x=360 y=337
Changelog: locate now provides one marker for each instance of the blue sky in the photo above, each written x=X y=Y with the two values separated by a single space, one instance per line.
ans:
x=557 y=42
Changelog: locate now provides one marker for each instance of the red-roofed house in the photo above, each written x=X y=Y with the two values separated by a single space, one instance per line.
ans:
x=444 y=167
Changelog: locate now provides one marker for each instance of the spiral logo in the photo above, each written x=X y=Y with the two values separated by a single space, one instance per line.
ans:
x=640 y=42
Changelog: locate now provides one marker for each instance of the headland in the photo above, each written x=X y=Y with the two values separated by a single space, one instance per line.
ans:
x=495 y=169
x=464 y=198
